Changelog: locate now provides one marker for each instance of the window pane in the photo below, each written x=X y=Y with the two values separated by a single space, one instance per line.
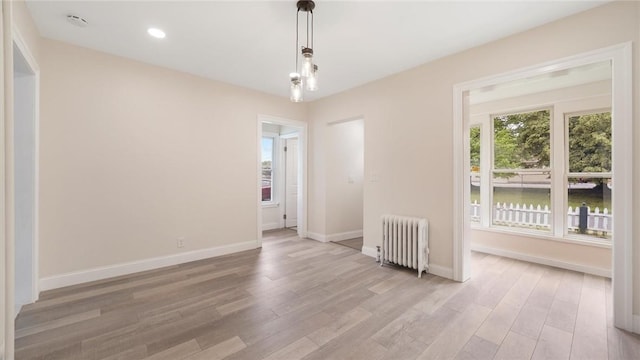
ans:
x=591 y=198
x=474 y=150
x=475 y=198
x=267 y=168
x=590 y=143
x=522 y=141
x=474 y=157
x=522 y=200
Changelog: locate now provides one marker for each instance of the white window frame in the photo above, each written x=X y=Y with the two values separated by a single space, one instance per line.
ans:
x=274 y=169
x=558 y=170
x=491 y=171
x=587 y=240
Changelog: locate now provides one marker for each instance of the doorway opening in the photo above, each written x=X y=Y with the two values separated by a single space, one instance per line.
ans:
x=281 y=175
x=553 y=174
x=345 y=182
x=25 y=73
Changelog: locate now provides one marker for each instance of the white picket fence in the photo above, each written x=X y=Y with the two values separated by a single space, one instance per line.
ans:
x=538 y=217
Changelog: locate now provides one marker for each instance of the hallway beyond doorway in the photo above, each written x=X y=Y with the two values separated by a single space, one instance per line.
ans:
x=355 y=243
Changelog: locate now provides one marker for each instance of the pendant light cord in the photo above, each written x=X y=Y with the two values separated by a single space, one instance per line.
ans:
x=297 y=40
x=307 y=28
x=311 y=11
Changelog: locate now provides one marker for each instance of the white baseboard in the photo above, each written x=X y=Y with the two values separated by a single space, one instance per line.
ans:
x=442 y=271
x=271 y=226
x=104 y=272
x=345 y=235
x=370 y=251
x=543 y=260
x=17 y=308
x=335 y=237
x=636 y=324
x=316 y=236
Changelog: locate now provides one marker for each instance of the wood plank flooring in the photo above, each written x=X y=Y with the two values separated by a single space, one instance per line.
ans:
x=302 y=299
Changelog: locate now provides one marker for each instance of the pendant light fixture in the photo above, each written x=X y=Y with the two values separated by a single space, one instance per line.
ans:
x=307 y=74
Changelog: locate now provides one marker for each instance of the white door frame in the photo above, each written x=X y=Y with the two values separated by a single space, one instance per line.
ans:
x=622 y=113
x=11 y=37
x=35 y=69
x=6 y=119
x=302 y=128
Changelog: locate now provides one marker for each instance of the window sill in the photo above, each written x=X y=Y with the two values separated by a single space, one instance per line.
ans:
x=570 y=239
x=266 y=205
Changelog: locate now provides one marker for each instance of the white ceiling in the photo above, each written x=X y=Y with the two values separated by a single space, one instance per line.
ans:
x=252 y=43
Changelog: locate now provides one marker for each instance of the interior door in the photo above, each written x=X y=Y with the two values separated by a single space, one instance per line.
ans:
x=291 y=183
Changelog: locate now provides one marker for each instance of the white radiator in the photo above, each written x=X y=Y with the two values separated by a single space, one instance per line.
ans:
x=405 y=242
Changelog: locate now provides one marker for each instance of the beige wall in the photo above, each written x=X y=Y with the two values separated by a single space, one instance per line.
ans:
x=408 y=132
x=134 y=156
x=597 y=259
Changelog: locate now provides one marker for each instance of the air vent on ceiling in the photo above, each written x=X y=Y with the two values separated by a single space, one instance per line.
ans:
x=77 y=20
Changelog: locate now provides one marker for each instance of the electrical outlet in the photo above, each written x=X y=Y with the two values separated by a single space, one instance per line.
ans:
x=180 y=242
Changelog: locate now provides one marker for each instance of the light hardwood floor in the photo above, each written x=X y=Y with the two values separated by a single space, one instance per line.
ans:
x=302 y=299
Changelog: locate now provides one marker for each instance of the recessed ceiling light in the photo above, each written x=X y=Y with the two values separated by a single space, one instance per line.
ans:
x=156 y=33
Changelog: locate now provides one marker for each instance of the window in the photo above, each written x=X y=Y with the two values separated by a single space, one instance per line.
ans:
x=567 y=195
x=475 y=179
x=268 y=147
x=589 y=180
x=521 y=171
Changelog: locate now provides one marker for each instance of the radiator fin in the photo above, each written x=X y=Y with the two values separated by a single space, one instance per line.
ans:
x=405 y=242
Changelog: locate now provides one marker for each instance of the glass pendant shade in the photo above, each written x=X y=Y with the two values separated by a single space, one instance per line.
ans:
x=307 y=65
x=312 y=79
x=296 y=87
x=307 y=62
